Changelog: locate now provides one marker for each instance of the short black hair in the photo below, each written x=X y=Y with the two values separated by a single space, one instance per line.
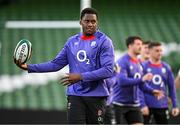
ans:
x=89 y=11
x=154 y=44
x=147 y=42
x=130 y=40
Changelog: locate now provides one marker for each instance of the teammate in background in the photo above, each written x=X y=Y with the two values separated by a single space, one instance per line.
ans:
x=129 y=80
x=177 y=81
x=163 y=80
x=109 y=114
x=90 y=56
x=144 y=56
x=177 y=85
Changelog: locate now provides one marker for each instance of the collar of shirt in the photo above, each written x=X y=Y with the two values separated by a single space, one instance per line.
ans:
x=83 y=37
x=155 y=65
x=134 y=60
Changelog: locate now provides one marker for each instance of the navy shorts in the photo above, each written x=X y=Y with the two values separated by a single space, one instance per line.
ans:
x=128 y=114
x=86 y=110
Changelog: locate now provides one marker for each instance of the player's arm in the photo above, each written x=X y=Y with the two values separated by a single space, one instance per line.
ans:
x=106 y=62
x=142 y=99
x=172 y=92
x=171 y=87
x=124 y=80
x=56 y=64
x=146 y=88
x=143 y=106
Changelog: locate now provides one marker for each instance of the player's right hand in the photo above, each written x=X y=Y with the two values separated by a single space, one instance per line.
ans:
x=159 y=94
x=147 y=77
x=175 y=112
x=145 y=110
x=70 y=79
x=20 y=65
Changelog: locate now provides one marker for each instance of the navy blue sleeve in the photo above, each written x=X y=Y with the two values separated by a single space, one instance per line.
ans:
x=146 y=88
x=126 y=81
x=141 y=99
x=56 y=64
x=123 y=78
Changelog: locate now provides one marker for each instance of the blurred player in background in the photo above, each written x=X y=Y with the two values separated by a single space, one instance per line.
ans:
x=144 y=54
x=177 y=86
x=90 y=56
x=109 y=114
x=163 y=80
x=129 y=80
x=177 y=81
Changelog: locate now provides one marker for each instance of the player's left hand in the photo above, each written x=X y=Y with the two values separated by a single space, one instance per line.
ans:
x=70 y=78
x=158 y=93
x=175 y=111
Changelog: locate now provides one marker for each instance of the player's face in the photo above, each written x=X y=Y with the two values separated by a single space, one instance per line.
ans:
x=145 y=51
x=89 y=24
x=136 y=47
x=156 y=52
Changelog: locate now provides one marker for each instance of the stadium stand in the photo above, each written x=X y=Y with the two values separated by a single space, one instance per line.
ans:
x=152 y=20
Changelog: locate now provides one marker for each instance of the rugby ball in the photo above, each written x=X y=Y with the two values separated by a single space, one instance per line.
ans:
x=23 y=51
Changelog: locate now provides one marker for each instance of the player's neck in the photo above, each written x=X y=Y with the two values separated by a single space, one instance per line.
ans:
x=155 y=61
x=87 y=37
x=132 y=55
x=143 y=58
x=87 y=34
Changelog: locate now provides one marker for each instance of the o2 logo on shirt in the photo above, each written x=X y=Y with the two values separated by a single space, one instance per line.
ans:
x=157 y=80
x=82 y=56
x=137 y=75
